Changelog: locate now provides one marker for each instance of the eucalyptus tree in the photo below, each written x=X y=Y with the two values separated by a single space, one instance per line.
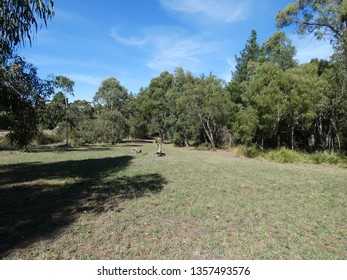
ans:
x=22 y=97
x=306 y=96
x=54 y=111
x=267 y=93
x=110 y=101
x=278 y=48
x=81 y=120
x=66 y=86
x=208 y=101
x=155 y=106
x=20 y=20
x=332 y=122
x=21 y=91
x=325 y=19
x=184 y=124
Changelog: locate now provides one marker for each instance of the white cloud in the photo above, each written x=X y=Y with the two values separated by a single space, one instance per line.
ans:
x=309 y=48
x=169 y=47
x=227 y=11
x=127 y=41
x=173 y=51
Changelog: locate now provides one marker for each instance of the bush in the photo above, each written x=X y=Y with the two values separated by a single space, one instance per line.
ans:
x=249 y=152
x=204 y=146
x=285 y=155
x=325 y=157
x=46 y=139
x=5 y=143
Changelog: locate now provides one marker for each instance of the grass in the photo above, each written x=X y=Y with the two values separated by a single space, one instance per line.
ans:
x=102 y=202
x=285 y=155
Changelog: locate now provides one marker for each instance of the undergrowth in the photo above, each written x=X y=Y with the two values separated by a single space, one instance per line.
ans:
x=284 y=155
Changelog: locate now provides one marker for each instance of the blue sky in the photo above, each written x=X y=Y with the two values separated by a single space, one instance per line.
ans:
x=135 y=40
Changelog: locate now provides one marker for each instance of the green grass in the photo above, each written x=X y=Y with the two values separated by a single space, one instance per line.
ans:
x=103 y=202
x=285 y=155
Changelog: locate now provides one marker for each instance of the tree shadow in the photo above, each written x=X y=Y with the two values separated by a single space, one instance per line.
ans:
x=38 y=200
x=64 y=148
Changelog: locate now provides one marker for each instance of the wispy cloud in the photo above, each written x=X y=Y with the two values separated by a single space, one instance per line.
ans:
x=227 y=11
x=127 y=41
x=174 y=50
x=170 y=47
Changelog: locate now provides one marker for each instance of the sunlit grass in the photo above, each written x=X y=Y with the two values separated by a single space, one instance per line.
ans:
x=197 y=205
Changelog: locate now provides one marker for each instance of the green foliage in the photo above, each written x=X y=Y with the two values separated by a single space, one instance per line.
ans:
x=156 y=102
x=326 y=157
x=284 y=155
x=19 y=20
x=54 y=111
x=324 y=19
x=248 y=151
x=22 y=96
x=251 y=53
x=46 y=139
x=244 y=125
x=279 y=50
x=65 y=85
x=208 y=101
x=111 y=100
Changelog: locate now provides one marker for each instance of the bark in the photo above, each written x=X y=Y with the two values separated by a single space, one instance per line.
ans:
x=186 y=143
x=208 y=131
x=292 y=132
x=113 y=134
x=160 y=143
x=209 y=135
x=66 y=121
x=278 y=139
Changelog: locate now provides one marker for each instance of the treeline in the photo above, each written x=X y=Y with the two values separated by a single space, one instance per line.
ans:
x=270 y=102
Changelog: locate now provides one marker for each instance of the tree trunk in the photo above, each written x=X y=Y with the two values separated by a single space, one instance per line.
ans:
x=186 y=143
x=278 y=140
x=292 y=137
x=210 y=137
x=160 y=143
x=262 y=142
x=113 y=134
x=66 y=121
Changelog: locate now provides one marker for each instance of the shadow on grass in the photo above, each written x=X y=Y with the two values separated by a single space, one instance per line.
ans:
x=64 y=148
x=32 y=206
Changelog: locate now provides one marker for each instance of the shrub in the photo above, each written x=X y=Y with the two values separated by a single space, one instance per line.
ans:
x=204 y=146
x=249 y=152
x=46 y=139
x=285 y=155
x=325 y=157
x=5 y=143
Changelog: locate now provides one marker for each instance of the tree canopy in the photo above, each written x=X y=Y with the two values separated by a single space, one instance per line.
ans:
x=20 y=20
x=322 y=18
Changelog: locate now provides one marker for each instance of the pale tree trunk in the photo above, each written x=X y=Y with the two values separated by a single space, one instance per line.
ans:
x=66 y=121
x=186 y=143
x=160 y=143
x=209 y=133
x=292 y=137
x=262 y=142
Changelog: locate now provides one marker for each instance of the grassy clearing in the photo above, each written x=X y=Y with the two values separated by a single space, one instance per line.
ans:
x=103 y=202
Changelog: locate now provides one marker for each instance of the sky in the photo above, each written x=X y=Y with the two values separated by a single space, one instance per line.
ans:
x=135 y=40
